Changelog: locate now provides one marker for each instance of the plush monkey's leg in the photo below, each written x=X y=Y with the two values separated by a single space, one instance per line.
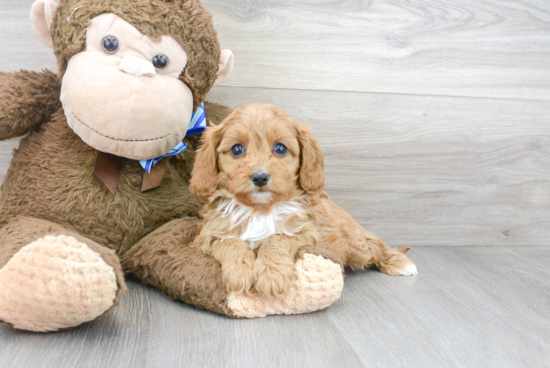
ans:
x=52 y=278
x=164 y=260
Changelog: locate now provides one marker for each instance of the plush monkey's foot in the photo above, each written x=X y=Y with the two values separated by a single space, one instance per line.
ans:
x=319 y=282
x=53 y=283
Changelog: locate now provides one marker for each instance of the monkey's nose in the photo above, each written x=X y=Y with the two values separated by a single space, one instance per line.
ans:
x=136 y=66
x=259 y=178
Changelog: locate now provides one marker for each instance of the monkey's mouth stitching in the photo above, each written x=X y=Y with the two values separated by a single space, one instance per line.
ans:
x=118 y=139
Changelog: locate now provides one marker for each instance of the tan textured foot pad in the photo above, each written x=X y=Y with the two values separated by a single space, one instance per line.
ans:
x=319 y=283
x=55 y=282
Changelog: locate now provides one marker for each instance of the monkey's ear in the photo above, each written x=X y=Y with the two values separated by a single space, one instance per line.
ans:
x=204 y=177
x=42 y=14
x=312 y=178
x=225 y=66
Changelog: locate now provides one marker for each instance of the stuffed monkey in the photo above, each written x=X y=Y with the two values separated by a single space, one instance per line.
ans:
x=99 y=184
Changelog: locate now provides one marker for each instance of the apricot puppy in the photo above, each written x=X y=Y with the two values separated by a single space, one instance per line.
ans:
x=261 y=176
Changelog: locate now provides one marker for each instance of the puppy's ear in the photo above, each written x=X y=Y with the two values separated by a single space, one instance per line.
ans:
x=312 y=179
x=205 y=171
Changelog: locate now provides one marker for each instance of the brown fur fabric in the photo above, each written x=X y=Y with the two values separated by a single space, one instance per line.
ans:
x=51 y=177
x=27 y=99
x=52 y=171
x=186 y=21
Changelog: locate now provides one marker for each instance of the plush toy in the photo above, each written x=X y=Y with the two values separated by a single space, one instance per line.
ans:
x=100 y=182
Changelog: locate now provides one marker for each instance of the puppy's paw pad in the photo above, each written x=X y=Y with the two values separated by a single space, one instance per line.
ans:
x=410 y=270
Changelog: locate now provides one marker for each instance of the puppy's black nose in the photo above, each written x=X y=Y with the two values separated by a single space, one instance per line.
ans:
x=259 y=178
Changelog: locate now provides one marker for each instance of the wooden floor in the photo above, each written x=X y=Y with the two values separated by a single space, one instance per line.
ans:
x=434 y=117
x=469 y=307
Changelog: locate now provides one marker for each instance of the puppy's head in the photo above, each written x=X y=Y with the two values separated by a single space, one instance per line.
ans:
x=260 y=155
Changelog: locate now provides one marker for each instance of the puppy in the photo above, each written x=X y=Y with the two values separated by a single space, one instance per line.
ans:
x=261 y=176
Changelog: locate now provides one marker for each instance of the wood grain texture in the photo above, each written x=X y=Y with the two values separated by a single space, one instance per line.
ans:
x=486 y=48
x=20 y=48
x=457 y=48
x=420 y=170
x=469 y=307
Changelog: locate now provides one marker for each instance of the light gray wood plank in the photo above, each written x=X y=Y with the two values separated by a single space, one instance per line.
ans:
x=6 y=153
x=459 y=48
x=20 y=49
x=469 y=307
x=484 y=48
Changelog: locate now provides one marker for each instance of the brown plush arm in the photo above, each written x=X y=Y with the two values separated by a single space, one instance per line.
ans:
x=26 y=100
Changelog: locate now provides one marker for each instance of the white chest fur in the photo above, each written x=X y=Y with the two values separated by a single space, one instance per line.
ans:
x=258 y=227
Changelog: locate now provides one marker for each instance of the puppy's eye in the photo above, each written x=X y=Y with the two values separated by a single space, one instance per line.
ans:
x=237 y=150
x=280 y=149
x=110 y=44
x=160 y=61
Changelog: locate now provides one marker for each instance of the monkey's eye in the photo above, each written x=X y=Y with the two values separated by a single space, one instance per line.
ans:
x=110 y=44
x=237 y=150
x=160 y=61
x=280 y=149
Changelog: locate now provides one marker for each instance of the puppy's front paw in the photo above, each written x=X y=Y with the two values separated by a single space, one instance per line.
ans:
x=274 y=279
x=238 y=277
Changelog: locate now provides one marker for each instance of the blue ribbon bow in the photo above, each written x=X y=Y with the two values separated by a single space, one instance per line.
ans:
x=197 y=125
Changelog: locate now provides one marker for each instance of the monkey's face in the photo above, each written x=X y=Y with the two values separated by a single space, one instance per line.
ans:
x=133 y=71
x=122 y=94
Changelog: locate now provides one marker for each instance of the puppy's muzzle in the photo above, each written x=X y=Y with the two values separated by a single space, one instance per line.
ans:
x=259 y=178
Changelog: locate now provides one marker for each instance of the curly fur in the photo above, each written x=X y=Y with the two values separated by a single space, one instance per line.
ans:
x=293 y=211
